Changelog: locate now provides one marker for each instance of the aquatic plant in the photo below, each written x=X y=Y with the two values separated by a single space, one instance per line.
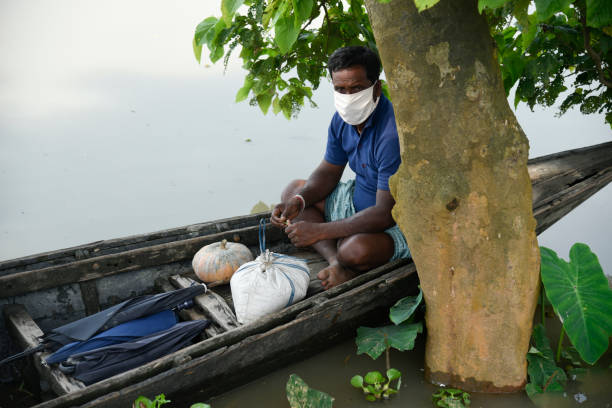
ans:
x=375 y=386
x=300 y=395
x=581 y=297
x=373 y=341
x=451 y=398
x=144 y=402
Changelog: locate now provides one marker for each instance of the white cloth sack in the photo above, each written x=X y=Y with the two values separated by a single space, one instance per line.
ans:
x=268 y=284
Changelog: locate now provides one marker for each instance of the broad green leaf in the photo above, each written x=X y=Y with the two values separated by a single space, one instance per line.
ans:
x=521 y=11
x=264 y=100
x=599 y=13
x=528 y=35
x=216 y=53
x=301 y=11
x=203 y=28
x=393 y=374
x=374 y=377
x=581 y=297
x=542 y=345
x=243 y=92
x=492 y=4
x=228 y=9
x=546 y=8
x=197 y=50
x=542 y=365
x=200 y=405
x=374 y=341
x=142 y=402
x=276 y=107
x=404 y=308
x=285 y=33
x=300 y=395
x=425 y=4
x=357 y=381
x=532 y=389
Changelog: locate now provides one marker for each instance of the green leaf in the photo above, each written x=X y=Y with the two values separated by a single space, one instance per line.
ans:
x=204 y=28
x=200 y=405
x=403 y=309
x=357 y=381
x=532 y=389
x=276 y=107
x=264 y=100
x=393 y=374
x=581 y=297
x=300 y=395
x=542 y=369
x=197 y=50
x=142 y=402
x=425 y=4
x=599 y=13
x=546 y=8
x=228 y=9
x=285 y=33
x=216 y=53
x=491 y=4
x=374 y=377
x=370 y=398
x=301 y=11
x=374 y=341
x=243 y=92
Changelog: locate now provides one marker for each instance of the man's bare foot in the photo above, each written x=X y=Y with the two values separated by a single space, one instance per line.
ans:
x=334 y=275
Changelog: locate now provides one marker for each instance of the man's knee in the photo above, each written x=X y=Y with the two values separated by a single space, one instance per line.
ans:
x=353 y=253
x=292 y=189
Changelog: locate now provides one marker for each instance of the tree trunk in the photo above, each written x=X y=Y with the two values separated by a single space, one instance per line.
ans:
x=463 y=193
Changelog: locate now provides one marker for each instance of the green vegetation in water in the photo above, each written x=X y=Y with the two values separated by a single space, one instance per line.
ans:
x=375 y=386
x=144 y=402
x=580 y=295
x=374 y=341
x=451 y=398
x=300 y=395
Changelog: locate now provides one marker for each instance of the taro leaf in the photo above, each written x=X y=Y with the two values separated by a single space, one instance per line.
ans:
x=374 y=340
x=425 y=4
x=543 y=373
x=300 y=395
x=403 y=309
x=581 y=297
x=285 y=33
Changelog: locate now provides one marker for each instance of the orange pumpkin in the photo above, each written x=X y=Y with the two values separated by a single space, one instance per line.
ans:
x=219 y=261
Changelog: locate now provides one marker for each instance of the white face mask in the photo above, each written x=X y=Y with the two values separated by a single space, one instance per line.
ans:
x=355 y=108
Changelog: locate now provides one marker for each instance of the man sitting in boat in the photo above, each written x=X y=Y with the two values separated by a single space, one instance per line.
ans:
x=349 y=223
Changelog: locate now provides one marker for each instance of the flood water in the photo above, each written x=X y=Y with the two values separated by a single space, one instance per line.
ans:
x=109 y=127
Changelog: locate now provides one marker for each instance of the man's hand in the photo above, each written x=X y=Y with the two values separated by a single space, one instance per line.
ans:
x=304 y=233
x=286 y=211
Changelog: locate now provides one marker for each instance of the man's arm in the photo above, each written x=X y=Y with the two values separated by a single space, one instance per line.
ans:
x=319 y=185
x=373 y=219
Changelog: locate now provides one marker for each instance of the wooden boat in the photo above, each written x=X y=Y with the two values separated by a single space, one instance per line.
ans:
x=49 y=289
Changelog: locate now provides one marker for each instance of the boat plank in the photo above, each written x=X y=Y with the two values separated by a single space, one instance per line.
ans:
x=214 y=306
x=89 y=295
x=105 y=247
x=98 y=267
x=27 y=333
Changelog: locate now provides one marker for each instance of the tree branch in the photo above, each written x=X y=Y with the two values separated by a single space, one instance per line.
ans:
x=327 y=20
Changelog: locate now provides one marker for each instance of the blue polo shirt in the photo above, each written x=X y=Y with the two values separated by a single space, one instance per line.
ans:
x=374 y=155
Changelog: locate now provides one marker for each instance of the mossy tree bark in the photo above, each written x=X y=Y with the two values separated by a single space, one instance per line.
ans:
x=463 y=193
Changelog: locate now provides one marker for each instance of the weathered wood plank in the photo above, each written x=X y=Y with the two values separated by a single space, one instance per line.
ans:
x=89 y=295
x=214 y=306
x=312 y=330
x=95 y=268
x=106 y=247
x=561 y=203
x=223 y=340
x=25 y=331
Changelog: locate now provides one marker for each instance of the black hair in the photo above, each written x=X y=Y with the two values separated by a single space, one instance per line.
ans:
x=346 y=57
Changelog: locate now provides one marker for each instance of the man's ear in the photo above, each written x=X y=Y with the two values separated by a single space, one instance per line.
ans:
x=377 y=89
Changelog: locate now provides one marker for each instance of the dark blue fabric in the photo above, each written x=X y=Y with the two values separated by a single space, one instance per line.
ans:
x=374 y=155
x=124 y=332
